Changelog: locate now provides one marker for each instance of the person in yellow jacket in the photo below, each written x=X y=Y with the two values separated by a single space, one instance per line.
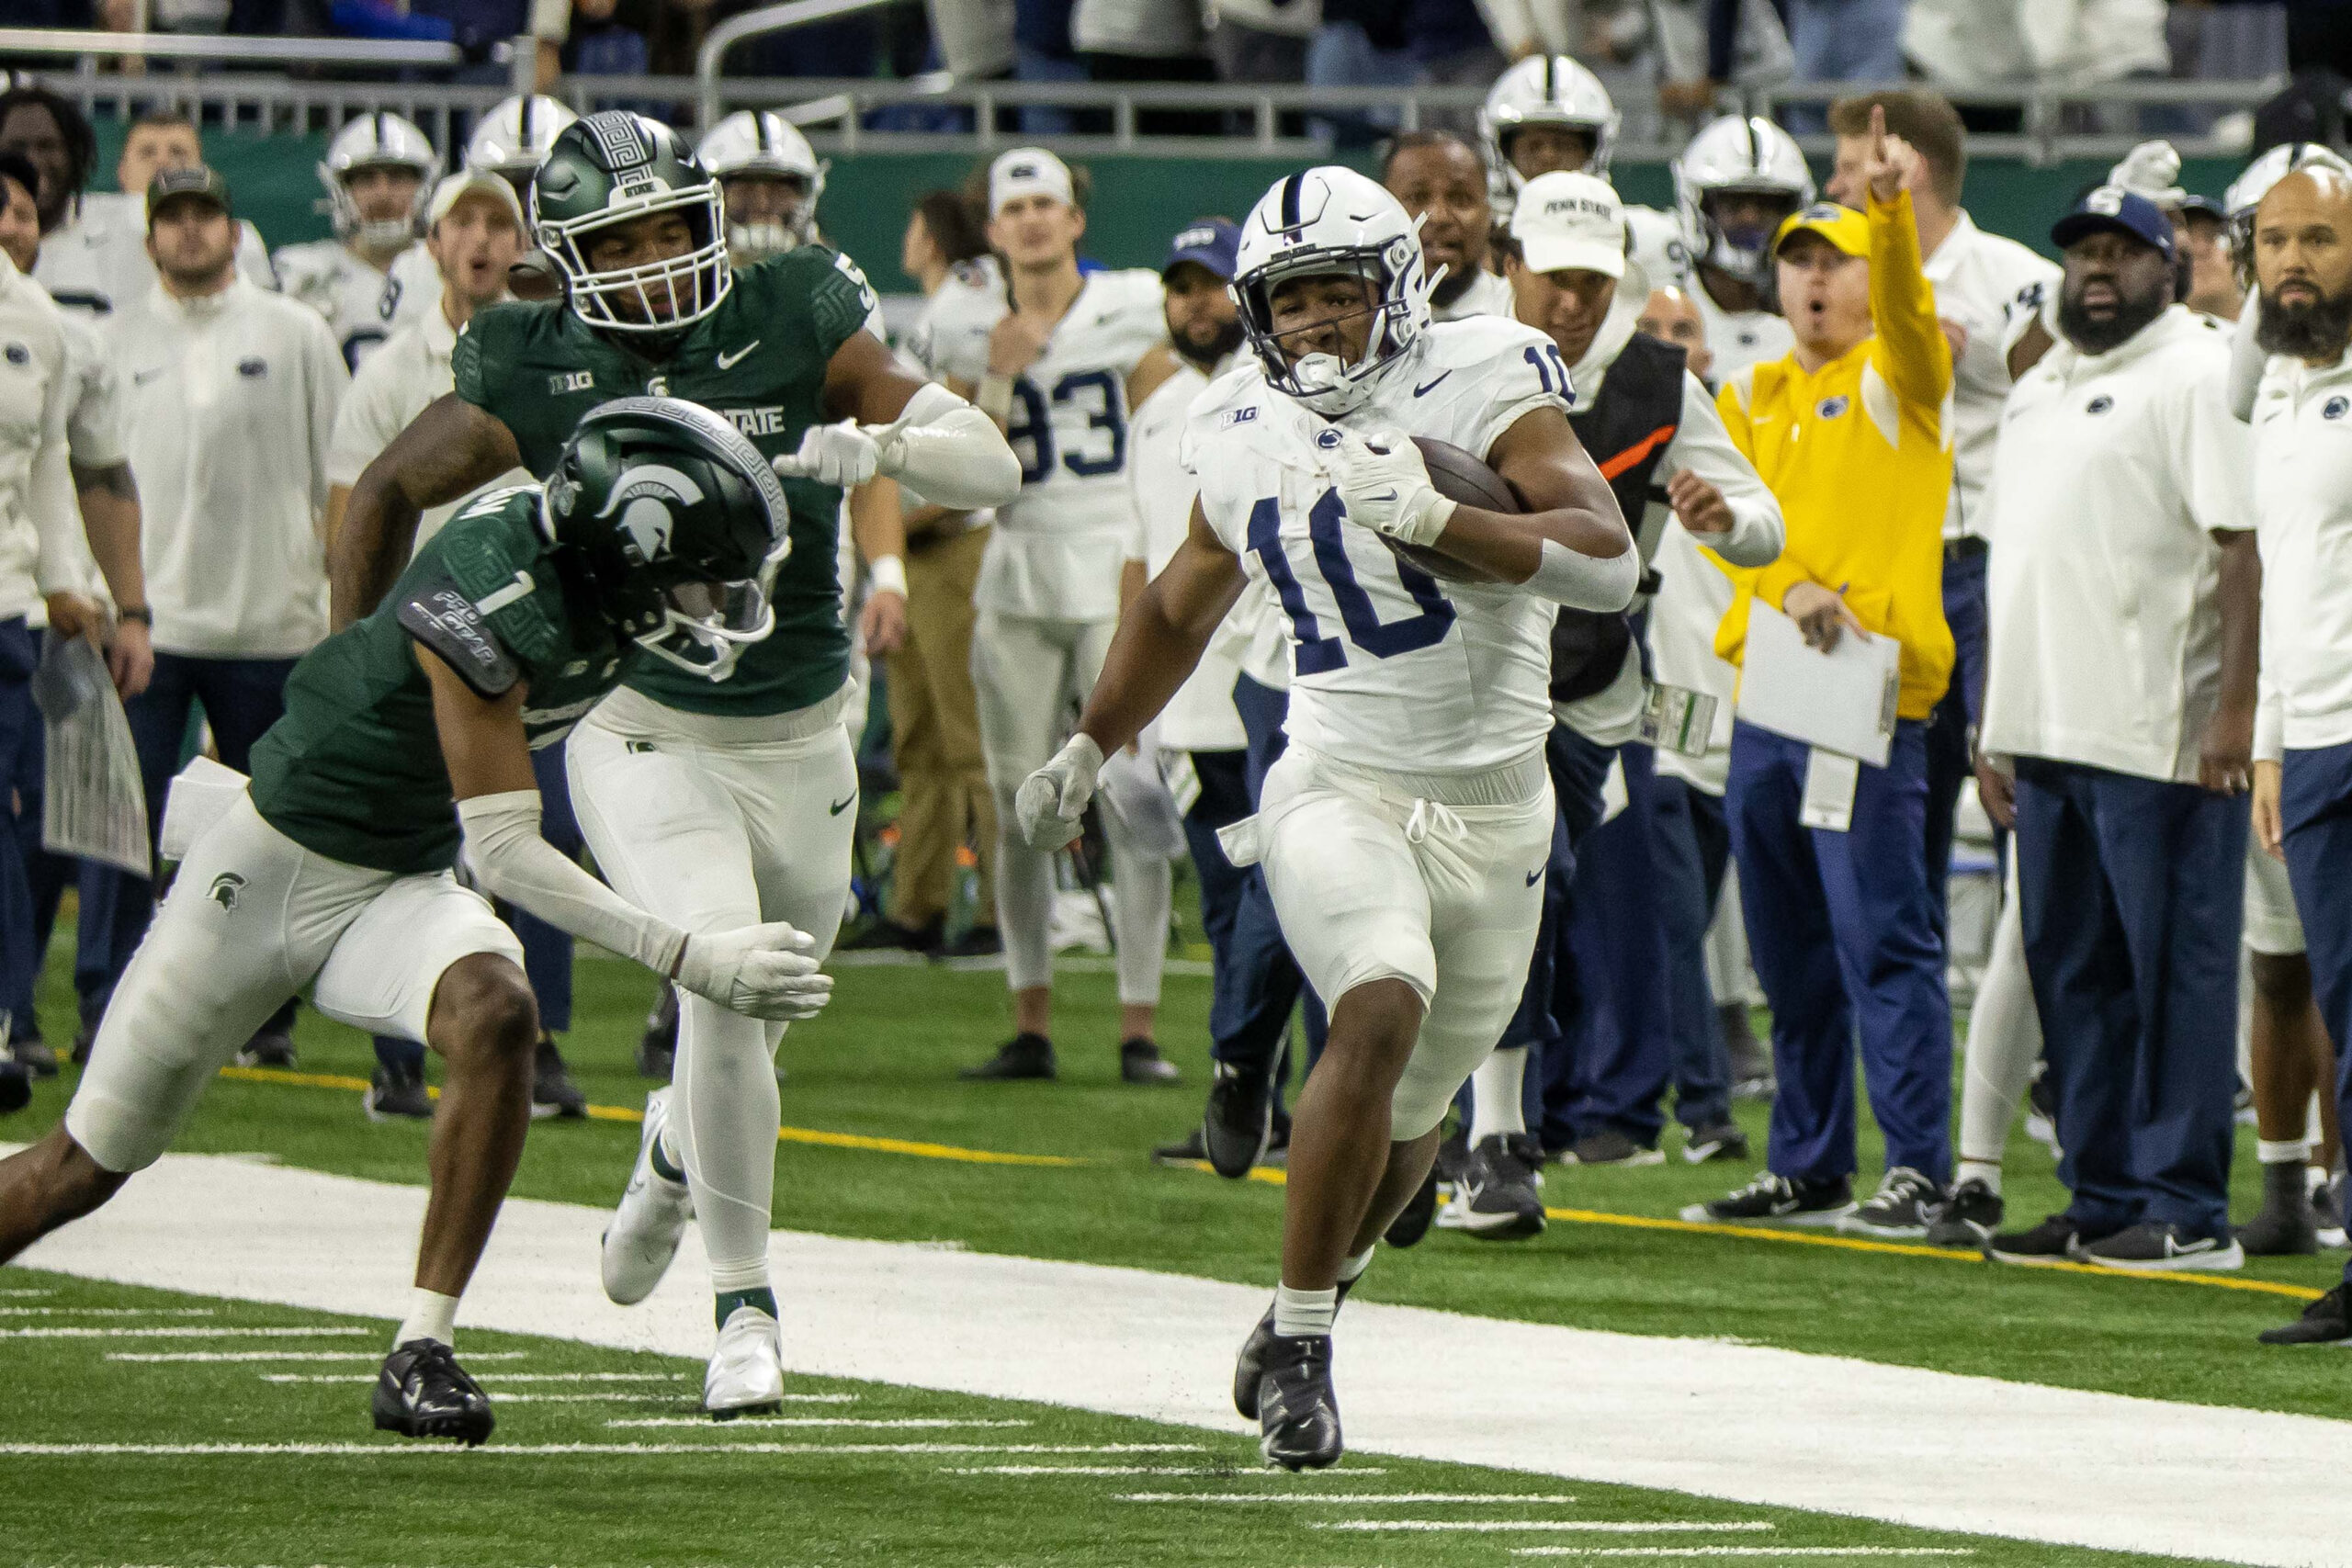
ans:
x=1851 y=431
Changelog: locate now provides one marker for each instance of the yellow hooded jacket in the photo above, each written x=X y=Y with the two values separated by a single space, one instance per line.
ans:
x=1859 y=454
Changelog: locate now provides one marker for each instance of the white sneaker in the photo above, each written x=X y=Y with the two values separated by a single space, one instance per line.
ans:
x=746 y=1373
x=653 y=1215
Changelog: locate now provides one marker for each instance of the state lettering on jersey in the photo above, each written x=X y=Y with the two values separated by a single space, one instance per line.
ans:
x=756 y=423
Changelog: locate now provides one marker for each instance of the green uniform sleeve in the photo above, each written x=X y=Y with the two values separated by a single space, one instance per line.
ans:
x=484 y=351
x=489 y=551
x=840 y=300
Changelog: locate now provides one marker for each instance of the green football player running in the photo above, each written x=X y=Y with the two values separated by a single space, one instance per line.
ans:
x=714 y=804
x=404 y=735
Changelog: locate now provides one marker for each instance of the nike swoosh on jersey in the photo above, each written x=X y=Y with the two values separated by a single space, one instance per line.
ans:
x=729 y=361
x=840 y=806
x=1425 y=386
x=1533 y=877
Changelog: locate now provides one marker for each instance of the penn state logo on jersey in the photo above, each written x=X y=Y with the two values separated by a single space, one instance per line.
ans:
x=2334 y=408
x=1830 y=408
x=17 y=353
x=2099 y=404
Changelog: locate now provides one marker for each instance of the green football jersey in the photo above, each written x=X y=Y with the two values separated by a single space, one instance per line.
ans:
x=353 y=770
x=760 y=359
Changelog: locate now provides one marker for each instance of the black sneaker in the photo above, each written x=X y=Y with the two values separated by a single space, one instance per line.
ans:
x=1967 y=1218
x=2287 y=1224
x=1412 y=1222
x=2153 y=1247
x=32 y=1054
x=1723 y=1141
x=1900 y=1208
x=397 y=1091
x=657 y=1048
x=1022 y=1057
x=270 y=1048
x=15 y=1088
x=979 y=943
x=1251 y=1365
x=1495 y=1198
x=889 y=936
x=423 y=1393
x=84 y=1038
x=553 y=1091
x=1140 y=1062
x=1452 y=1156
x=1239 y=1122
x=1610 y=1146
x=2327 y=1321
x=2057 y=1239
x=1776 y=1200
x=1298 y=1415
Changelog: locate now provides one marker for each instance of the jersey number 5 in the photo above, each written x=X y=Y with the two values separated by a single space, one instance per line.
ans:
x=1032 y=425
x=1318 y=654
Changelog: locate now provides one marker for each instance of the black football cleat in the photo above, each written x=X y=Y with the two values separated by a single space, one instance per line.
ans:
x=423 y=1393
x=15 y=1088
x=1239 y=1121
x=1298 y=1415
x=1251 y=1367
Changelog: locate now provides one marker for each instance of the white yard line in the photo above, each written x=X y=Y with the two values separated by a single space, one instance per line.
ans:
x=909 y=1423
x=1900 y=1444
x=1559 y=1527
x=680 y=1377
x=1352 y=1499
x=1032 y=1472
x=1775 y=1553
x=178 y=1333
x=473 y=1357
x=394 y=1449
x=106 y=1311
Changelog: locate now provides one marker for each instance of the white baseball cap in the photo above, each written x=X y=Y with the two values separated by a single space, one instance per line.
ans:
x=1567 y=220
x=454 y=188
x=1028 y=171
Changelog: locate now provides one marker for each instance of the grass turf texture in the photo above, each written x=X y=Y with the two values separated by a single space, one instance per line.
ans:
x=800 y=1506
x=881 y=1062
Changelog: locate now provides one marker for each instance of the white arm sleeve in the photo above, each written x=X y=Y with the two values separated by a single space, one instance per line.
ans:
x=1703 y=446
x=1587 y=583
x=513 y=863
x=2246 y=358
x=951 y=451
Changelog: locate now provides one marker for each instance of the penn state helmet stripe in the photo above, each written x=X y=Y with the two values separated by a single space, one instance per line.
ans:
x=1290 y=201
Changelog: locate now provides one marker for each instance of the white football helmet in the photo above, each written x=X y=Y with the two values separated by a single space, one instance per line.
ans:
x=1752 y=157
x=1329 y=220
x=2245 y=192
x=762 y=144
x=512 y=138
x=377 y=140
x=1546 y=89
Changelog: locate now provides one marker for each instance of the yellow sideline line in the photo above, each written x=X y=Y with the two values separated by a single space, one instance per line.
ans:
x=624 y=1113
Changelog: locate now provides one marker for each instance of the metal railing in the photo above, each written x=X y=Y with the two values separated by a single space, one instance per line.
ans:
x=764 y=22
x=92 y=47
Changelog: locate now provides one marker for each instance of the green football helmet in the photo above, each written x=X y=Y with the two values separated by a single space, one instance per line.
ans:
x=675 y=525
x=617 y=167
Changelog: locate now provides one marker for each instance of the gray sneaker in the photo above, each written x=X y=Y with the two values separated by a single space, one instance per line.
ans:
x=1900 y=1208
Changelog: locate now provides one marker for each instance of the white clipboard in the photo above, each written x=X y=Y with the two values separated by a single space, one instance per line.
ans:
x=1842 y=701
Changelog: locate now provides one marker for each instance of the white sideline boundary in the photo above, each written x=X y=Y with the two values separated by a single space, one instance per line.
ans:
x=1748 y=1423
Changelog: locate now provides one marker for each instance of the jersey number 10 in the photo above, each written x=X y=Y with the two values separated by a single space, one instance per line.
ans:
x=1032 y=426
x=1316 y=653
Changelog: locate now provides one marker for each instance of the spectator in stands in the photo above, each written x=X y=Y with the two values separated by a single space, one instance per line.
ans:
x=1147 y=40
x=231 y=391
x=1263 y=40
x=944 y=800
x=2125 y=601
x=1840 y=921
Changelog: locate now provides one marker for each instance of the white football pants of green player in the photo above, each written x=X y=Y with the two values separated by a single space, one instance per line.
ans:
x=706 y=821
x=1028 y=673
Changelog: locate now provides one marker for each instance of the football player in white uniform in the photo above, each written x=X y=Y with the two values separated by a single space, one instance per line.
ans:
x=770 y=179
x=1549 y=114
x=1733 y=183
x=378 y=175
x=1405 y=831
x=511 y=140
x=1050 y=357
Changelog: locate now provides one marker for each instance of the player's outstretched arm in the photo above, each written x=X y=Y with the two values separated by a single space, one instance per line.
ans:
x=762 y=971
x=1571 y=546
x=903 y=428
x=451 y=448
x=1161 y=634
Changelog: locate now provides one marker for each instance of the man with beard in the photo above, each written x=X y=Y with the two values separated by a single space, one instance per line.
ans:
x=2124 y=604
x=1442 y=180
x=2302 y=780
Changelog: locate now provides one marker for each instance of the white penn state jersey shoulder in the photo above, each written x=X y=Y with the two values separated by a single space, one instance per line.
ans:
x=1655 y=242
x=1740 y=338
x=1391 y=668
x=412 y=288
x=348 y=292
x=1489 y=295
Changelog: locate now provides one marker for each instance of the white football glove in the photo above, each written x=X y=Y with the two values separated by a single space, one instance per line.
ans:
x=765 y=971
x=2151 y=169
x=846 y=454
x=1386 y=487
x=1052 y=799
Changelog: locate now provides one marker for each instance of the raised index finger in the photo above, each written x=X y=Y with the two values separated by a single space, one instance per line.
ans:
x=1878 y=132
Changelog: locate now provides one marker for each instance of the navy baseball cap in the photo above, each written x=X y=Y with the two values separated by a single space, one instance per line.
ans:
x=1212 y=242
x=2123 y=211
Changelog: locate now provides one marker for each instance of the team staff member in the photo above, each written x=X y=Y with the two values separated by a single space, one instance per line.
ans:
x=2302 y=504
x=230 y=392
x=2125 y=602
x=1441 y=181
x=1857 y=410
x=474 y=233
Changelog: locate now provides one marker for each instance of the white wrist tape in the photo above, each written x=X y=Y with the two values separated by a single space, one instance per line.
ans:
x=951 y=452
x=886 y=574
x=513 y=861
x=1586 y=583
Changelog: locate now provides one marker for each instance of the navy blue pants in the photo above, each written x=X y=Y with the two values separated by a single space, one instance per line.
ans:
x=1951 y=727
x=1257 y=983
x=2132 y=893
x=546 y=950
x=20 y=761
x=1690 y=849
x=2315 y=810
x=1842 y=932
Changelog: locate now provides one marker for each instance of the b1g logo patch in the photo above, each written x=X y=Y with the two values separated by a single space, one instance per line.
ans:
x=571 y=381
x=1830 y=408
x=2334 y=408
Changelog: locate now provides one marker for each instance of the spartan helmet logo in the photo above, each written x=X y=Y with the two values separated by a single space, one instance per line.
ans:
x=225 y=888
x=643 y=499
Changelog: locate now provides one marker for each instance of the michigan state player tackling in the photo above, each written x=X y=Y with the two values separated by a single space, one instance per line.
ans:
x=331 y=873
x=713 y=804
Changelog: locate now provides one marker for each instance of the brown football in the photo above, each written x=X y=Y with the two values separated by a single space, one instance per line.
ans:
x=1459 y=475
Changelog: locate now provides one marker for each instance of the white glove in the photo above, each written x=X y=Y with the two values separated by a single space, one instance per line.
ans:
x=2151 y=169
x=1386 y=487
x=763 y=971
x=1052 y=799
x=844 y=454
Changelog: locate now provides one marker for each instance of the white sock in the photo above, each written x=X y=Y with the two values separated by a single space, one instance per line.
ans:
x=431 y=1315
x=1352 y=1268
x=2286 y=1151
x=1024 y=904
x=1138 y=916
x=1497 y=1087
x=2004 y=1039
x=1304 y=1312
x=724 y=1109
x=1979 y=1171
